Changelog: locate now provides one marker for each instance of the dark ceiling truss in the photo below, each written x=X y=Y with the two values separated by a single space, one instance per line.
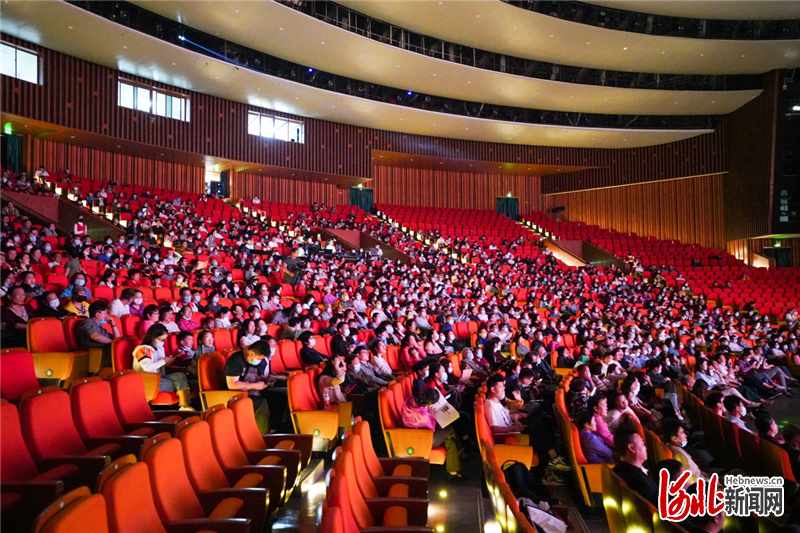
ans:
x=663 y=25
x=165 y=29
x=384 y=32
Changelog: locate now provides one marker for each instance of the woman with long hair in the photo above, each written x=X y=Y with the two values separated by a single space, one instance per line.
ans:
x=150 y=357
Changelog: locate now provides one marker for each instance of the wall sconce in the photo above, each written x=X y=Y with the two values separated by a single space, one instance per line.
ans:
x=274 y=224
x=96 y=210
x=123 y=223
x=167 y=244
x=110 y=216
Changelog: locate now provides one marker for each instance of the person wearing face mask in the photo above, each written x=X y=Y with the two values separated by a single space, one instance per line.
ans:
x=357 y=383
x=329 y=383
x=248 y=370
x=421 y=374
x=736 y=410
x=186 y=321
x=50 y=306
x=341 y=342
x=677 y=440
x=308 y=353
x=77 y=304
x=77 y=280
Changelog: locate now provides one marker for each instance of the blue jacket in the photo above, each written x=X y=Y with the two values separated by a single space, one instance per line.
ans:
x=68 y=292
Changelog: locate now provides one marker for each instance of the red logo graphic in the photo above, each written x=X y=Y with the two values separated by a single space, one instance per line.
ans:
x=675 y=504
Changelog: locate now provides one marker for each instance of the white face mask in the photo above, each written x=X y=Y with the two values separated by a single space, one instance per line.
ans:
x=312 y=341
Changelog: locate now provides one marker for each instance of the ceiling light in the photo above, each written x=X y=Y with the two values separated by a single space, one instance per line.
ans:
x=624 y=47
x=72 y=137
x=477 y=16
x=70 y=27
x=588 y=42
x=281 y=28
x=742 y=55
x=322 y=42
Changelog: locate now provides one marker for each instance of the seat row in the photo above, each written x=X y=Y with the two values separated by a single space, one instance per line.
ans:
x=224 y=453
x=365 y=493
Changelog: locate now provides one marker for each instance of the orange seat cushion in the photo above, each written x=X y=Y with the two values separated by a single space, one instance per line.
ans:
x=285 y=445
x=395 y=517
x=402 y=471
x=398 y=490
x=437 y=456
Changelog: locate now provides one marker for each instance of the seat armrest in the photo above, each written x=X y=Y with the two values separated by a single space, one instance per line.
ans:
x=158 y=427
x=303 y=443
x=419 y=467
x=233 y=525
x=219 y=397
x=410 y=442
x=417 y=487
x=274 y=480
x=417 y=509
x=127 y=443
x=56 y=365
x=289 y=458
x=255 y=502
x=406 y=529
x=89 y=467
x=160 y=414
x=44 y=492
x=512 y=452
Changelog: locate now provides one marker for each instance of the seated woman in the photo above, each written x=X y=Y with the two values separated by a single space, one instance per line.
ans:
x=77 y=303
x=330 y=379
x=247 y=334
x=15 y=315
x=415 y=415
x=50 y=306
x=137 y=306
x=432 y=346
x=594 y=448
x=150 y=357
x=150 y=316
x=409 y=351
x=186 y=322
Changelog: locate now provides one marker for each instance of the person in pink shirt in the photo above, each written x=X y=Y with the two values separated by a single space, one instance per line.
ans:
x=186 y=322
x=151 y=316
x=415 y=415
x=598 y=404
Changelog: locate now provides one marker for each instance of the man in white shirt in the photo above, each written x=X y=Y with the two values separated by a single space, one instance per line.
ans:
x=736 y=411
x=41 y=174
x=121 y=306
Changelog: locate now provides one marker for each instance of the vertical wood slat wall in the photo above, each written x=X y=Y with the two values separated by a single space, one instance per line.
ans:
x=689 y=210
x=272 y=189
x=98 y=164
x=697 y=156
x=79 y=94
x=750 y=137
x=466 y=190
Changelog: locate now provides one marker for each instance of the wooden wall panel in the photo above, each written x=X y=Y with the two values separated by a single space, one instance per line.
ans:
x=750 y=136
x=99 y=164
x=79 y=94
x=700 y=155
x=689 y=210
x=272 y=189
x=440 y=188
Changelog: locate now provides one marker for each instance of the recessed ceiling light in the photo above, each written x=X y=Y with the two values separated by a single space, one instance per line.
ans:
x=119 y=146
x=434 y=74
x=174 y=64
x=477 y=16
x=72 y=137
x=624 y=47
x=743 y=55
x=281 y=28
x=663 y=52
x=323 y=42
x=70 y=27
x=588 y=42
x=237 y=10
x=124 y=47
x=702 y=55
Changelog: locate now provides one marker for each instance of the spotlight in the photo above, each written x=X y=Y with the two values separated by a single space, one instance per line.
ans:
x=181 y=38
x=311 y=70
x=443 y=493
x=408 y=93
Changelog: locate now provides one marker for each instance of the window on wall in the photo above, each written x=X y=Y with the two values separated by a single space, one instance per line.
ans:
x=272 y=127
x=19 y=63
x=153 y=100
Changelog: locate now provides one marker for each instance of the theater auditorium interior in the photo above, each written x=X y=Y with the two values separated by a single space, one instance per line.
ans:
x=395 y=266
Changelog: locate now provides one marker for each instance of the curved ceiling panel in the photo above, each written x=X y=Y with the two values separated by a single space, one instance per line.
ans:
x=502 y=28
x=58 y=25
x=710 y=9
x=302 y=39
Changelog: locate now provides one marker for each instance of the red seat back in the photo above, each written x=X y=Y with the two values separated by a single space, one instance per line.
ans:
x=47 y=424
x=16 y=463
x=17 y=374
x=130 y=400
x=202 y=467
x=93 y=409
x=173 y=493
